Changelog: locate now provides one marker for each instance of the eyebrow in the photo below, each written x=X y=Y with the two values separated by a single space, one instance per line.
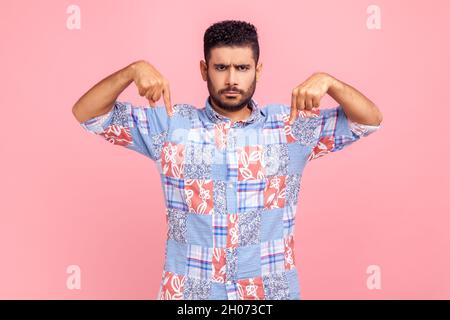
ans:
x=236 y=65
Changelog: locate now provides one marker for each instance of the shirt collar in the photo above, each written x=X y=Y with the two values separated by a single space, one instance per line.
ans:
x=215 y=117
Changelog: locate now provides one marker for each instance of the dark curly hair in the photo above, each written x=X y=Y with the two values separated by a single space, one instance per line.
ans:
x=230 y=33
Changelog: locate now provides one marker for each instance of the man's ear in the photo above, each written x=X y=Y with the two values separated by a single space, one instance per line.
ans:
x=203 y=69
x=258 y=71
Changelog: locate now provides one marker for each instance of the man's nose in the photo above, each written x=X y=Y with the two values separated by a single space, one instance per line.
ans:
x=231 y=77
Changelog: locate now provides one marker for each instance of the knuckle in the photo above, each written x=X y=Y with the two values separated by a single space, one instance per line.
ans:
x=146 y=84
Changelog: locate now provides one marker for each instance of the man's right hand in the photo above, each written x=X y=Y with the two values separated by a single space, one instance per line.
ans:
x=151 y=84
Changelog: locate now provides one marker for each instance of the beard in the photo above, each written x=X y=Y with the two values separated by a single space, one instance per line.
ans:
x=231 y=104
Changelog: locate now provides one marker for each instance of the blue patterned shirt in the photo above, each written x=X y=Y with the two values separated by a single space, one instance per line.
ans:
x=230 y=189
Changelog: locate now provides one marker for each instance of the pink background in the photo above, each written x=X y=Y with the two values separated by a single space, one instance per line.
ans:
x=70 y=198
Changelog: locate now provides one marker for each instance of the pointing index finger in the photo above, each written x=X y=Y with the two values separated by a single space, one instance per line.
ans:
x=167 y=102
x=294 y=111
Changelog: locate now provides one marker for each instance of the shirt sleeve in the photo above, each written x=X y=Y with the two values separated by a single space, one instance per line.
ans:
x=337 y=131
x=139 y=128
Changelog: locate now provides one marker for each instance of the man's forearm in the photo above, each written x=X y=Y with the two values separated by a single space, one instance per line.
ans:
x=356 y=106
x=100 y=98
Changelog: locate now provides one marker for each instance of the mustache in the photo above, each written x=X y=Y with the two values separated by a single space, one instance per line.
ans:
x=231 y=90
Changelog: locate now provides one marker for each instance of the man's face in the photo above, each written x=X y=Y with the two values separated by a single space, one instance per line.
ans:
x=231 y=69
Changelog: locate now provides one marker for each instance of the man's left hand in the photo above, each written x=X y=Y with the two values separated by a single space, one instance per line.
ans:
x=307 y=95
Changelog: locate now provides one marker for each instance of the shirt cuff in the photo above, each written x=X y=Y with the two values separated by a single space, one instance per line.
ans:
x=362 y=129
x=97 y=124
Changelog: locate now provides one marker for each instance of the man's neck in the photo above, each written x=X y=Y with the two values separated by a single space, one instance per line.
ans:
x=234 y=116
